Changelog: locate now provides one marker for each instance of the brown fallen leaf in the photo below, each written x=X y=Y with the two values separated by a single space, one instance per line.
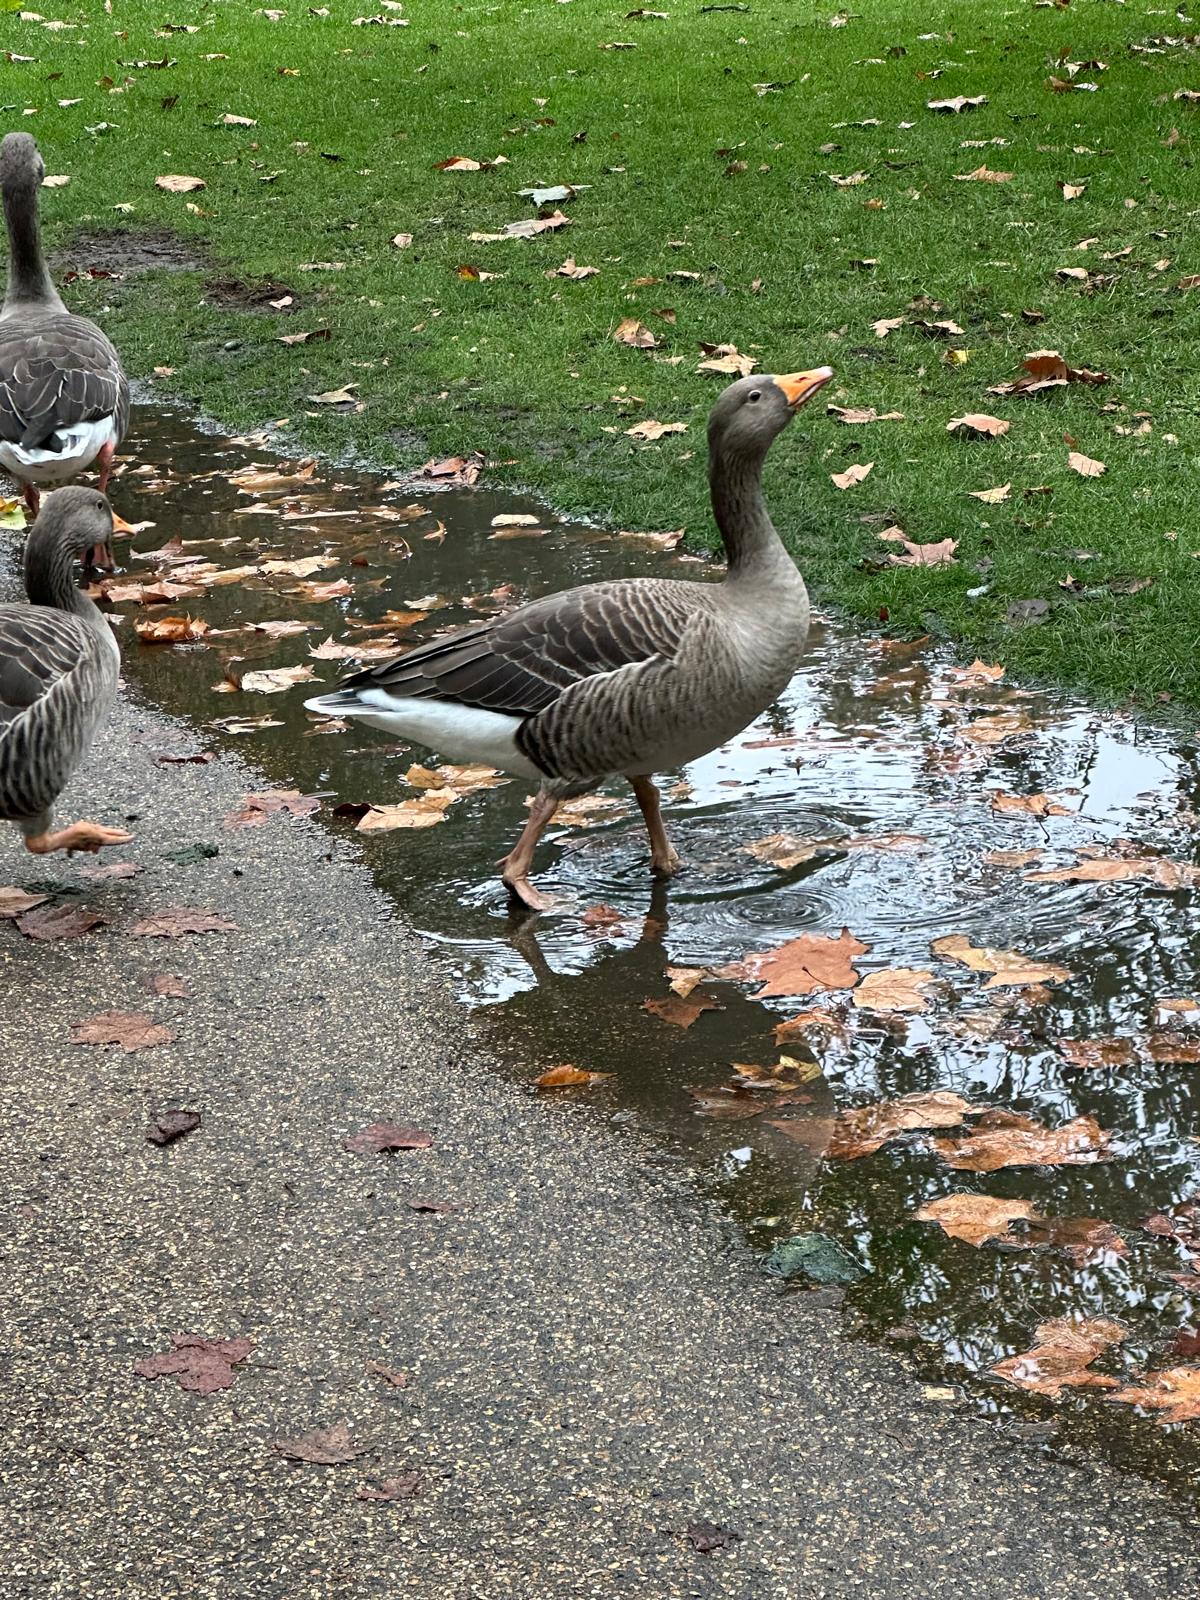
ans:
x=425 y=810
x=782 y=850
x=172 y=922
x=958 y=103
x=1063 y=1356
x=1031 y=805
x=567 y=1076
x=1047 y=369
x=275 y=680
x=1159 y=870
x=978 y=674
x=1008 y=1139
x=169 y=985
x=899 y=989
x=571 y=269
x=860 y=416
x=939 y=554
x=15 y=902
x=1098 y=1052
x=44 y=923
x=462 y=779
x=727 y=1103
x=654 y=430
x=132 y=1030
x=632 y=332
x=855 y=473
x=726 y=360
x=806 y=965
x=1011 y=969
x=992 y=497
x=974 y=1218
x=392 y=1376
x=861 y=1132
x=805 y=1025
x=678 y=1010
x=322 y=1447
x=308 y=336
x=202 y=1366
x=978 y=425
x=938 y=330
x=168 y=1126
x=983 y=174
x=406 y=1486
x=885 y=325
x=169 y=630
x=1071 y=191
x=1084 y=465
x=179 y=183
x=382 y=1137
x=1085 y=1239
x=343 y=396
x=1173 y=1392
x=272 y=803
x=605 y=918
x=788 y=1073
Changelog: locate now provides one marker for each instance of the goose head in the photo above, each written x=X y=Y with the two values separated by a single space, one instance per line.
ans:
x=751 y=412
x=21 y=166
x=78 y=523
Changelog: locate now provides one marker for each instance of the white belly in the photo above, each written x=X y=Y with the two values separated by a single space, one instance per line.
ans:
x=463 y=734
x=80 y=445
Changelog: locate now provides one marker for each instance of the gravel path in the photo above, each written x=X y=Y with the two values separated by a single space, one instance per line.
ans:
x=593 y=1363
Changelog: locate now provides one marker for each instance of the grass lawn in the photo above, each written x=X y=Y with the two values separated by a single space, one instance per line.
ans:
x=709 y=145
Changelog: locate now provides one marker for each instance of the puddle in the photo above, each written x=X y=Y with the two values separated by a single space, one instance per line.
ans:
x=871 y=740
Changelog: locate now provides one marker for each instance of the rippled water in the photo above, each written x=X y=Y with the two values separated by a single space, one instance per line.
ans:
x=873 y=738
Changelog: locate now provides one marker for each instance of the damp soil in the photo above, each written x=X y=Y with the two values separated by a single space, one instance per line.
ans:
x=127 y=252
x=886 y=760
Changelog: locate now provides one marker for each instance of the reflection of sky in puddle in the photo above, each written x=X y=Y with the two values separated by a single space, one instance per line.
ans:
x=871 y=739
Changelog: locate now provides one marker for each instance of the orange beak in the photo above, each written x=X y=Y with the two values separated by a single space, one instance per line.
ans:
x=801 y=386
x=99 y=558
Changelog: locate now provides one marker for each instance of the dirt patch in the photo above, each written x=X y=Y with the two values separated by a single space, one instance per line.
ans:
x=120 y=250
x=238 y=295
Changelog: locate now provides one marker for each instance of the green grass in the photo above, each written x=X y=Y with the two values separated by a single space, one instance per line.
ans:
x=524 y=368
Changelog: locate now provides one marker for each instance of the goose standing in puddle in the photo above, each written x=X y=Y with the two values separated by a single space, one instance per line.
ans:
x=624 y=678
x=59 y=665
x=64 y=400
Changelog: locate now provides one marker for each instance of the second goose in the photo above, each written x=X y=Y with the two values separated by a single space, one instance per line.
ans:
x=620 y=678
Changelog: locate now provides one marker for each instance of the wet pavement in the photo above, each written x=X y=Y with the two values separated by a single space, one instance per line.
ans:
x=886 y=764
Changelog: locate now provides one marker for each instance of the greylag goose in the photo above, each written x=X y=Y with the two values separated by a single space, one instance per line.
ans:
x=64 y=400
x=59 y=664
x=618 y=678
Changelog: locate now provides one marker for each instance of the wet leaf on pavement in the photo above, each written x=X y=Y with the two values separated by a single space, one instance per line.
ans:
x=44 y=923
x=382 y=1137
x=200 y=1365
x=15 y=902
x=1062 y=1356
x=172 y=922
x=814 y=962
x=322 y=1447
x=272 y=803
x=567 y=1076
x=392 y=1376
x=705 y=1537
x=1173 y=1392
x=132 y=1030
x=168 y=1126
x=406 y=1486
x=169 y=985
x=679 y=1010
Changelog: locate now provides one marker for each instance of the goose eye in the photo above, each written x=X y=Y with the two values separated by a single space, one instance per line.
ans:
x=755 y=394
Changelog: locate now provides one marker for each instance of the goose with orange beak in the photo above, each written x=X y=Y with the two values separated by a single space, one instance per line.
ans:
x=617 y=679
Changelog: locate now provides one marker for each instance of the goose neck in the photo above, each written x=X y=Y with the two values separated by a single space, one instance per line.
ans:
x=29 y=282
x=50 y=578
x=752 y=546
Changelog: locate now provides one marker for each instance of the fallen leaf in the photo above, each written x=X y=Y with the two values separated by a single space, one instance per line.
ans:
x=1008 y=1139
x=404 y=1487
x=1098 y=1052
x=274 y=680
x=851 y=181
x=382 y=1137
x=960 y=102
x=853 y=474
x=654 y=430
x=1011 y=969
x=939 y=554
x=727 y=1103
x=44 y=923
x=782 y=850
x=392 y=1376
x=896 y=989
x=974 y=1218
x=1031 y=805
x=992 y=497
x=322 y=1447
x=402 y=240
x=567 y=1076
x=977 y=675
x=861 y=1132
x=807 y=1023
x=978 y=425
x=806 y=965
x=462 y=779
x=726 y=360
x=1159 y=870
x=1174 y=1392
x=169 y=630
x=606 y=917
x=983 y=175
x=679 y=1011
x=168 y=1126
x=15 y=902
x=1063 y=1356
x=886 y=325
x=132 y=1030
x=172 y=922
x=344 y=396
x=1084 y=465
x=231 y=121
x=202 y=1366
x=705 y=1537
x=425 y=810
x=177 y=183
x=1071 y=191
x=571 y=269
x=632 y=332
x=270 y=803
x=860 y=416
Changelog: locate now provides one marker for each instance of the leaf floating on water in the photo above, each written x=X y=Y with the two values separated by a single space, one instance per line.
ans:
x=679 y=1011
x=275 y=680
x=322 y=1447
x=1173 y=1392
x=807 y=1023
x=806 y=965
x=1031 y=805
x=463 y=779
x=1012 y=971
x=567 y=1076
x=861 y=1132
x=1063 y=1356
x=169 y=630
x=974 y=1218
x=727 y=1103
x=782 y=850
x=132 y=1030
x=200 y=1365
x=1008 y=1139
x=898 y=989
x=1098 y=1052
x=425 y=810
x=1159 y=870
x=383 y=1137
x=977 y=675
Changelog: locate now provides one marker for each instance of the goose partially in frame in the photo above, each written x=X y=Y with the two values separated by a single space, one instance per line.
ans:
x=59 y=665
x=622 y=678
x=64 y=399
